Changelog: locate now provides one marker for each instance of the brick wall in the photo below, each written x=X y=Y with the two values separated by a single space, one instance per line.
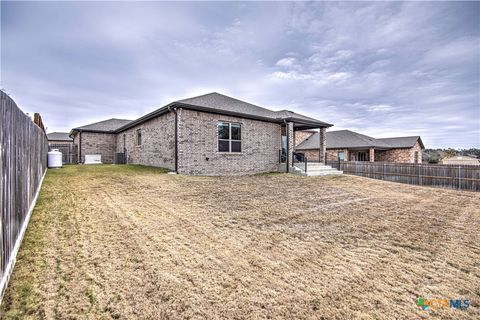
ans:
x=332 y=154
x=313 y=155
x=323 y=144
x=405 y=155
x=158 y=142
x=301 y=135
x=198 y=145
x=96 y=143
x=290 y=142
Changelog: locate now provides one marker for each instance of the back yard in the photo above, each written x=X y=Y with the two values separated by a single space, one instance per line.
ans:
x=128 y=242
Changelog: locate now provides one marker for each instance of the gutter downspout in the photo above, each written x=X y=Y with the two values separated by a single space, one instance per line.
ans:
x=174 y=110
x=288 y=146
x=80 y=147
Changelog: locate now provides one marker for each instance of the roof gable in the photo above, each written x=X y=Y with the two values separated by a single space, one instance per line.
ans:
x=109 y=125
x=58 y=136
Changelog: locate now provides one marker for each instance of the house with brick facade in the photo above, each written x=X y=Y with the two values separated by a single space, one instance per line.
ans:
x=97 y=138
x=212 y=134
x=59 y=138
x=347 y=145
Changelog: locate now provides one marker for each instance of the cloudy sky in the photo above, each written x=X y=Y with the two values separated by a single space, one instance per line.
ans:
x=382 y=68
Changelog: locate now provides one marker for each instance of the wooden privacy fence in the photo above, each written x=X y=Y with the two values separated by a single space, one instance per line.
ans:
x=68 y=150
x=23 y=162
x=464 y=177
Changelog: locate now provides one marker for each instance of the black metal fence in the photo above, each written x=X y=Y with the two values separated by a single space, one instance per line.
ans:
x=68 y=150
x=463 y=177
x=23 y=161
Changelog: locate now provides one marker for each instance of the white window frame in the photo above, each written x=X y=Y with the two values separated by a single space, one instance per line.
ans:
x=230 y=137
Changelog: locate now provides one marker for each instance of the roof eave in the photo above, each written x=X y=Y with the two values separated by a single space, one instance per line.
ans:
x=315 y=124
x=146 y=117
x=347 y=147
x=228 y=113
x=419 y=140
x=168 y=107
x=74 y=131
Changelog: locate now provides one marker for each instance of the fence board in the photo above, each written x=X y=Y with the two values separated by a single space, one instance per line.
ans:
x=23 y=162
x=464 y=177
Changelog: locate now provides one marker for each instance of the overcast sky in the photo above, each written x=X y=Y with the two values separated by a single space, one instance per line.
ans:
x=382 y=68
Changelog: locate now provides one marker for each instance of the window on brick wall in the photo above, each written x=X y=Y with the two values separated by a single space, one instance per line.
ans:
x=362 y=156
x=229 y=137
x=139 y=137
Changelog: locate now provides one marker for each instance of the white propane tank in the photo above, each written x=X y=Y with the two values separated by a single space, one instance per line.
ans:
x=54 y=159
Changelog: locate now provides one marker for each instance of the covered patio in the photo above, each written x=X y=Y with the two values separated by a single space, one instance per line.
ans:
x=293 y=127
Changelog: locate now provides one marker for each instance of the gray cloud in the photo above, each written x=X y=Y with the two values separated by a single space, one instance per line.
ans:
x=383 y=68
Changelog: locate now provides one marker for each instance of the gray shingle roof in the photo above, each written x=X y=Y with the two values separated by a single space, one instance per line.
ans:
x=59 y=136
x=218 y=103
x=223 y=103
x=350 y=139
x=109 y=125
x=402 y=142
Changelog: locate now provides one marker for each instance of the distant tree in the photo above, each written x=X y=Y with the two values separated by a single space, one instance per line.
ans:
x=449 y=153
x=472 y=151
x=433 y=156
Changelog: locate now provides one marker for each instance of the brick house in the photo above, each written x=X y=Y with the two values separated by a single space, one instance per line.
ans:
x=97 y=138
x=62 y=142
x=353 y=146
x=59 y=138
x=212 y=134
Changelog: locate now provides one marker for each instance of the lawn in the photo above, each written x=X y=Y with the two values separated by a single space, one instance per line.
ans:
x=128 y=242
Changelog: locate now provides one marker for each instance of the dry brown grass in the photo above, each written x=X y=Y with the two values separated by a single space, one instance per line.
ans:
x=131 y=243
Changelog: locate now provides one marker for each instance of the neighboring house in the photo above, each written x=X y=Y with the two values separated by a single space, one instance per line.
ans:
x=62 y=142
x=59 y=138
x=212 y=134
x=97 y=138
x=352 y=146
x=461 y=160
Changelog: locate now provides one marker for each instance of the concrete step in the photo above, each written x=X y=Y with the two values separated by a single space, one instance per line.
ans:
x=319 y=168
x=315 y=169
x=323 y=173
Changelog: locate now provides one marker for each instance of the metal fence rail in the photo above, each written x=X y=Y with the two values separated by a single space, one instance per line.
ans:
x=68 y=150
x=463 y=177
x=23 y=162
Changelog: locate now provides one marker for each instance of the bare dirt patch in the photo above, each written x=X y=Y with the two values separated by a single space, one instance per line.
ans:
x=125 y=242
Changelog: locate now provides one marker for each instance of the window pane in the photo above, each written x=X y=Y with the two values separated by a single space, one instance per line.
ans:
x=139 y=136
x=236 y=132
x=223 y=131
x=236 y=146
x=223 y=145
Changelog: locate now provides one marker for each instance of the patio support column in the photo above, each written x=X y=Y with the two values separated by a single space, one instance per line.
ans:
x=372 y=155
x=323 y=145
x=290 y=144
